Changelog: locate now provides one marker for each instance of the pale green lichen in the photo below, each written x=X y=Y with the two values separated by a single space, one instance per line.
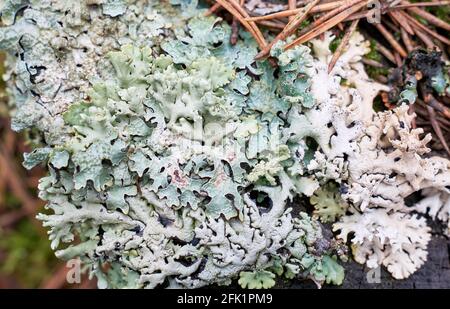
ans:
x=327 y=202
x=262 y=279
x=174 y=157
x=166 y=151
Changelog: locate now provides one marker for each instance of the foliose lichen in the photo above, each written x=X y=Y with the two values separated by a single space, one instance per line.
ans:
x=175 y=158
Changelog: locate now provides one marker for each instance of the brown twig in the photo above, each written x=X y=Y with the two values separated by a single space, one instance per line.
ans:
x=402 y=22
x=16 y=185
x=390 y=38
x=444 y=121
x=332 y=5
x=419 y=4
x=425 y=39
x=244 y=14
x=342 y=45
x=406 y=40
x=398 y=59
x=348 y=4
x=292 y=5
x=430 y=18
x=385 y=52
x=318 y=9
x=231 y=7
x=382 y=79
x=425 y=29
x=320 y=25
x=235 y=27
x=288 y=29
x=213 y=9
x=358 y=15
x=437 y=128
x=372 y=63
x=271 y=24
x=438 y=106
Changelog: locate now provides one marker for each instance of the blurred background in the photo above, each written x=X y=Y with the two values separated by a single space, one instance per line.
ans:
x=26 y=260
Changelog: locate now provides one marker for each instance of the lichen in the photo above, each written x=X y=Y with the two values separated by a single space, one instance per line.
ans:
x=174 y=157
x=328 y=203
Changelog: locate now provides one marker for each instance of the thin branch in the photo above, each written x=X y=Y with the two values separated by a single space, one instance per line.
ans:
x=406 y=40
x=425 y=39
x=437 y=128
x=419 y=4
x=385 y=52
x=244 y=14
x=345 y=11
x=213 y=9
x=288 y=29
x=348 y=4
x=318 y=9
x=271 y=24
x=430 y=18
x=235 y=27
x=438 y=106
x=372 y=63
x=248 y=25
x=390 y=38
x=358 y=15
x=419 y=25
x=292 y=5
x=402 y=22
x=391 y=24
x=398 y=59
x=445 y=121
x=15 y=182
x=342 y=45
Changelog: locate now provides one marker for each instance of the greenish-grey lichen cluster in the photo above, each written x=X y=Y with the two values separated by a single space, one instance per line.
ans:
x=161 y=167
x=175 y=158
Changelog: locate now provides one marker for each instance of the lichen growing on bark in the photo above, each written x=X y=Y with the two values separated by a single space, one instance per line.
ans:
x=174 y=157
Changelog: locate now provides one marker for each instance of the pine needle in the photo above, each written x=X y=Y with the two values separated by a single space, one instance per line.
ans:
x=235 y=28
x=289 y=28
x=437 y=128
x=425 y=29
x=250 y=26
x=345 y=11
x=407 y=40
x=292 y=5
x=244 y=14
x=385 y=52
x=318 y=9
x=419 y=4
x=216 y=6
x=392 y=41
x=342 y=45
x=430 y=18
x=402 y=22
